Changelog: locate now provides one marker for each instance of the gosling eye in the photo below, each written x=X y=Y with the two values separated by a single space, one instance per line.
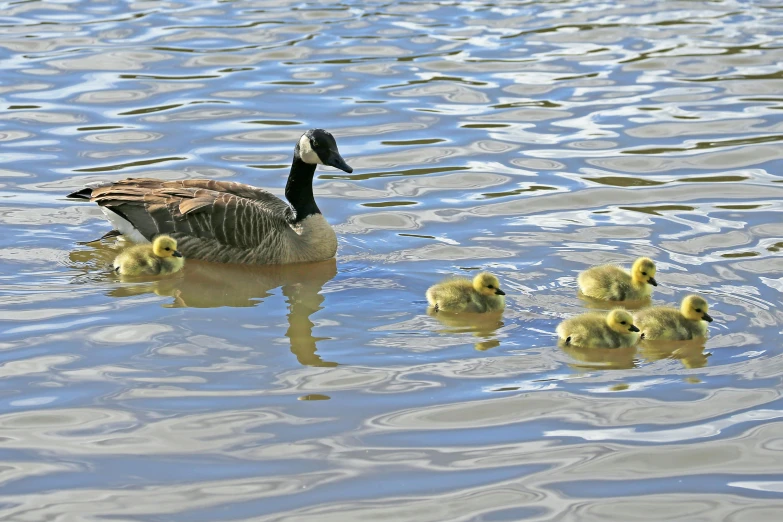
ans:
x=167 y=248
x=490 y=286
x=644 y=273
x=698 y=310
x=623 y=322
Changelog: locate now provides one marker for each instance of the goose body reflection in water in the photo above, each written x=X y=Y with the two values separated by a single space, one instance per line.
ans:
x=202 y=284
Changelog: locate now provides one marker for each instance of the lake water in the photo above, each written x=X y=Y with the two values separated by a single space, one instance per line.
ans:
x=528 y=138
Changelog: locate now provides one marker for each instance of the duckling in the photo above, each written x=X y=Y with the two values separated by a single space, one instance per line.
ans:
x=612 y=283
x=481 y=295
x=159 y=258
x=669 y=324
x=597 y=330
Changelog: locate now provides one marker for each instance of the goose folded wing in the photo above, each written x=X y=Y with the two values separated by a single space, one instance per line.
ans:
x=231 y=213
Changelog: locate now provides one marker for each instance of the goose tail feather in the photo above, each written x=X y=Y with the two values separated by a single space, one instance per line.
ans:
x=86 y=192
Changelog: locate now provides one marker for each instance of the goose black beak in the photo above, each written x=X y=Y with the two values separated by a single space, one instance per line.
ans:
x=337 y=161
x=499 y=292
x=652 y=281
x=633 y=328
x=177 y=253
x=707 y=317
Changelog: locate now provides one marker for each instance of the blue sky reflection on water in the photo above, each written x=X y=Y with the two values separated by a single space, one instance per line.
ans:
x=531 y=139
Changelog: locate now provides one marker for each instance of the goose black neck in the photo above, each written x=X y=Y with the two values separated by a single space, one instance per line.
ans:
x=299 y=189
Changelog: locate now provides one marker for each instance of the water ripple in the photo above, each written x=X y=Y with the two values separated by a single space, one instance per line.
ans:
x=531 y=139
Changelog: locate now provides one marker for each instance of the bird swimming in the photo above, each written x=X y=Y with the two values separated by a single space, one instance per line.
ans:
x=670 y=324
x=613 y=283
x=599 y=330
x=225 y=221
x=482 y=294
x=159 y=258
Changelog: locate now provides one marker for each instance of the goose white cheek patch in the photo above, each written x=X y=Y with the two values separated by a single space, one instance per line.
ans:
x=307 y=153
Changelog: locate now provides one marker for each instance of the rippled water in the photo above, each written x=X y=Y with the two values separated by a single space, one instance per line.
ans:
x=531 y=138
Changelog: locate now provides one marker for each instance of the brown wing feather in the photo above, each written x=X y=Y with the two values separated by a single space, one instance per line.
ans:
x=231 y=213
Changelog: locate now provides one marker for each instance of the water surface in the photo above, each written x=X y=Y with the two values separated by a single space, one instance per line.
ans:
x=528 y=138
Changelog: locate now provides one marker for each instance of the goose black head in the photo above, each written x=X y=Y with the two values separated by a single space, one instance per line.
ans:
x=318 y=147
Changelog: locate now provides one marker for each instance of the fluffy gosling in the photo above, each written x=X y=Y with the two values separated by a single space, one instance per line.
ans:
x=597 y=330
x=612 y=283
x=669 y=324
x=481 y=295
x=159 y=258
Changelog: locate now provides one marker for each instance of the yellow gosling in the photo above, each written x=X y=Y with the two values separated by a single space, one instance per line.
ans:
x=598 y=330
x=481 y=295
x=159 y=258
x=669 y=324
x=612 y=283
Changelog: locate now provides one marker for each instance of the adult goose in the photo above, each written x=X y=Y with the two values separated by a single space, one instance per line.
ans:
x=229 y=222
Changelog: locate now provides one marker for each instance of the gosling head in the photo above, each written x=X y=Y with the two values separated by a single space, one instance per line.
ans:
x=165 y=246
x=695 y=308
x=621 y=321
x=487 y=284
x=318 y=147
x=643 y=271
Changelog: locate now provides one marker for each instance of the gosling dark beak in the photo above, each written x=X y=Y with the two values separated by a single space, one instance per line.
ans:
x=499 y=292
x=177 y=253
x=707 y=317
x=652 y=281
x=337 y=161
x=633 y=328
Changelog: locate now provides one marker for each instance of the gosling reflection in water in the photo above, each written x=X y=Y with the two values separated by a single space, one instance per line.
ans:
x=202 y=284
x=600 y=358
x=480 y=325
x=690 y=353
x=600 y=304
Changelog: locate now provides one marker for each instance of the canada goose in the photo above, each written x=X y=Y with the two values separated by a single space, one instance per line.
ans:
x=159 y=258
x=483 y=294
x=599 y=330
x=669 y=324
x=612 y=283
x=225 y=221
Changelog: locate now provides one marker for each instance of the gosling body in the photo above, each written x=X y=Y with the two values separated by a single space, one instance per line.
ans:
x=481 y=295
x=159 y=258
x=599 y=330
x=613 y=283
x=670 y=324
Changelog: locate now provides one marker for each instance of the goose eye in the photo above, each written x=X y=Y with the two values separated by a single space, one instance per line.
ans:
x=623 y=322
x=644 y=273
x=167 y=248
x=698 y=310
x=490 y=286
